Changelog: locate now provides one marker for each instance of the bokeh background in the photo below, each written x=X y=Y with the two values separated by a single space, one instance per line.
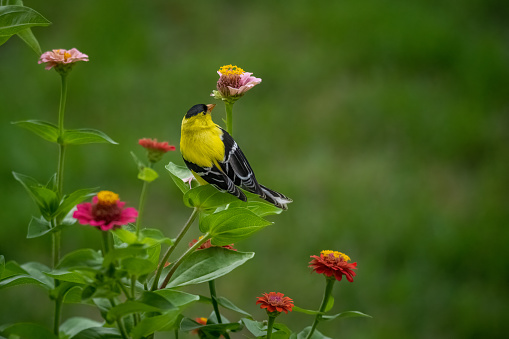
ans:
x=386 y=121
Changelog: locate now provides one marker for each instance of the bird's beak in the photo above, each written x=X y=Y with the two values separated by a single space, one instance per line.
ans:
x=210 y=107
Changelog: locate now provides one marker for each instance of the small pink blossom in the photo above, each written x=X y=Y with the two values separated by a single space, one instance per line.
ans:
x=233 y=83
x=106 y=212
x=60 y=57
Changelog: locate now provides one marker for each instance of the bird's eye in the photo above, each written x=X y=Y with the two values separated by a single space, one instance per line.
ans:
x=204 y=113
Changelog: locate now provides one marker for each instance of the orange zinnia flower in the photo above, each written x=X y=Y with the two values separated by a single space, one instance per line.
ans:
x=275 y=302
x=333 y=263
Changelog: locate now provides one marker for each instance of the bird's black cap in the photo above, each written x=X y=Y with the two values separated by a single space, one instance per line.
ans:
x=195 y=110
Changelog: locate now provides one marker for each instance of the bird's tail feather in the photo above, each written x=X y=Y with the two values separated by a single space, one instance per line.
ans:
x=275 y=198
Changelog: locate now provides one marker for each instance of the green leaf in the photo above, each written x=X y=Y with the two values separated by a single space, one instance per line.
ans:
x=40 y=226
x=14 y=19
x=148 y=302
x=85 y=258
x=45 y=199
x=259 y=208
x=152 y=236
x=151 y=324
x=178 y=174
x=98 y=333
x=43 y=129
x=135 y=250
x=2 y=265
x=73 y=295
x=316 y=334
x=72 y=200
x=75 y=325
x=347 y=314
x=302 y=310
x=138 y=266
x=3 y=39
x=231 y=306
x=29 y=38
x=19 y=280
x=206 y=197
x=38 y=271
x=85 y=136
x=178 y=298
x=208 y=264
x=231 y=225
x=330 y=304
x=28 y=330
x=12 y=268
x=78 y=277
x=147 y=174
x=258 y=329
x=188 y=325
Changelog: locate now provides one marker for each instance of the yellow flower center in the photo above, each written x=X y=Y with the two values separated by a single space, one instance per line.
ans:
x=336 y=254
x=67 y=55
x=107 y=198
x=231 y=70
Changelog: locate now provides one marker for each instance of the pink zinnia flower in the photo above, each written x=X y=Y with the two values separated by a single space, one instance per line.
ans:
x=155 y=149
x=333 y=263
x=275 y=302
x=62 y=59
x=233 y=83
x=208 y=244
x=106 y=212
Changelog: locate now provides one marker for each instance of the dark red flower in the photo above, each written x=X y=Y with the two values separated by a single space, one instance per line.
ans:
x=155 y=149
x=208 y=244
x=333 y=263
x=275 y=302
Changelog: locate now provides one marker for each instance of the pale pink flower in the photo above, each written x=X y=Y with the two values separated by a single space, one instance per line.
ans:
x=62 y=57
x=233 y=83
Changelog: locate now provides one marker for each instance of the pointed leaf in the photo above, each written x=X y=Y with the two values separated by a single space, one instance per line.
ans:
x=40 y=226
x=78 y=277
x=14 y=19
x=347 y=314
x=28 y=330
x=302 y=310
x=207 y=196
x=258 y=329
x=178 y=175
x=29 y=38
x=149 y=325
x=135 y=250
x=43 y=129
x=231 y=225
x=38 y=271
x=208 y=264
x=12 y=268
x=178 y=298
x=85 y=136
x=138 y=266
x=259 y=208
x=148 y=302
x=73 y=295
x=20 y=280
x=85 y=258
x=316 y=334
x=73 y=326
x=231 y=306
x=71 y=200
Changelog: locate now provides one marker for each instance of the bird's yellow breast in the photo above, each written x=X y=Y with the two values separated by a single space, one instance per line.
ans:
x=200 y=141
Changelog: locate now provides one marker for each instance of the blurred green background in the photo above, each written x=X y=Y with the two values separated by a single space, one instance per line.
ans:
x=386 y=121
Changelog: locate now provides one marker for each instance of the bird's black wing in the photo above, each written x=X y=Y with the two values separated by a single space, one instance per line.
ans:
x=236 y=166
x=218 y=178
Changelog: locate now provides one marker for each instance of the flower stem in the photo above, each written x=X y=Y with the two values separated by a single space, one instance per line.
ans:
x=55 y=248
x=106 y=242
x=326 y=296
x=190 y=250
x=212 y=288
x=229 y=117
x=270 y=325
x=172 y=248
x=120 y=323
x=143 y=198
x=61 y=153
x=56 y=320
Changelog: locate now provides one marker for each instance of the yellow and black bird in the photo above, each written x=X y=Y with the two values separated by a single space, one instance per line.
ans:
x=215 y=158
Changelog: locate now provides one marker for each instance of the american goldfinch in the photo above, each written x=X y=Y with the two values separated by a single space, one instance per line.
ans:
x=214 y=157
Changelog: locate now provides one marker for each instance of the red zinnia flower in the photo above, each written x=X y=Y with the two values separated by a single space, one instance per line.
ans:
x=208 y=244
x=155 y=149
x=333 y=263
x=106 y=212
x=275 y=302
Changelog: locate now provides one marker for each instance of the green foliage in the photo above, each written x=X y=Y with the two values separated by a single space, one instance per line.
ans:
x=75 y=325
x=85 y=136
x=305 y=332
x=27 y=330
x=44 y=129
x=178 y=174
x=208 y=264
x=207 y=197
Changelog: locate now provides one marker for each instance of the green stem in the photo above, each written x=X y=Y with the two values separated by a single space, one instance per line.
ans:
x=172 y=248
x=229 y=117
x=212 y=288
x=143 y=198
x=106 y=241
x=270 y=325
x=56 y=321
x=56 y=248
x=326 y=296
x=190 y=251
x=120 y=323
x=61 y=113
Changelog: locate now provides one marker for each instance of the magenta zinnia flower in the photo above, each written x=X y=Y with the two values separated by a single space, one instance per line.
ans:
x=233 y=83
x=62 y=59
x=333 y=263
x=155 y=149
x=106 y=212
x=275 y=302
